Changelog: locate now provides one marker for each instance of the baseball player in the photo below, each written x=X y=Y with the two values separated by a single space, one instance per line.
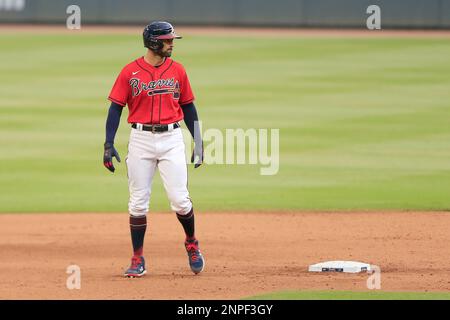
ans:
x=158 y=94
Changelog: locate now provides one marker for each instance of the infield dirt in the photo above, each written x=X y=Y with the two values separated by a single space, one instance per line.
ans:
x=246 y=254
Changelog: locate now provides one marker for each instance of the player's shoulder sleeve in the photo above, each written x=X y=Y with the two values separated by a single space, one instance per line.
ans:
x=186 y=94
x=120 y=91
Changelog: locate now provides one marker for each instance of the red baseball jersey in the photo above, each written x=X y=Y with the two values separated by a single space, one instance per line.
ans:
x=153 y=94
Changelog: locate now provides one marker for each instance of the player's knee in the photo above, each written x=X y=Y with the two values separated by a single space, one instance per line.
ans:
x=138 y=209
x=181 y=206
x=138 y=203
x=136 y=213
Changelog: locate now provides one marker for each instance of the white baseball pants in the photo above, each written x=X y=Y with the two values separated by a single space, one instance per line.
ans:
x=165 y=151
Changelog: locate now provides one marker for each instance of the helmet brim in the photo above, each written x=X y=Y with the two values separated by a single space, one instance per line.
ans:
x=169 y=36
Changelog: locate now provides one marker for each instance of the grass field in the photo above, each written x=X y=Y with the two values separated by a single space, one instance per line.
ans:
x=364 y=123
x=350 y=295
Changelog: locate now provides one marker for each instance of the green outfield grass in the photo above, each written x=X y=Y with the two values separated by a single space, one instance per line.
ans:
x=364 y=123
x=352 y=295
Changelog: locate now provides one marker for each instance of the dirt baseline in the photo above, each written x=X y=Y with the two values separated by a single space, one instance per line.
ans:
x=246 y=254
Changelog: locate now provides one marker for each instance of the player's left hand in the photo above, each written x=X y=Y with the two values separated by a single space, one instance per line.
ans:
x=197 y=153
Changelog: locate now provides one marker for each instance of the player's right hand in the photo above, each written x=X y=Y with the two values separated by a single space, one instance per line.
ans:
x=109 y=153
x=197 y=155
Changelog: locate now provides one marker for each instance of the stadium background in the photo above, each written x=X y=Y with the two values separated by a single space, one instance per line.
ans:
x=363 y=118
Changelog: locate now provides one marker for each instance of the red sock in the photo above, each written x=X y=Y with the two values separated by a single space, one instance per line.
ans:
x=187 y=221
x=138 y=225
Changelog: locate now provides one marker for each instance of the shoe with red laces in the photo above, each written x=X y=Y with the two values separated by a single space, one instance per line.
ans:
x=137 y=268
x=196 y=260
